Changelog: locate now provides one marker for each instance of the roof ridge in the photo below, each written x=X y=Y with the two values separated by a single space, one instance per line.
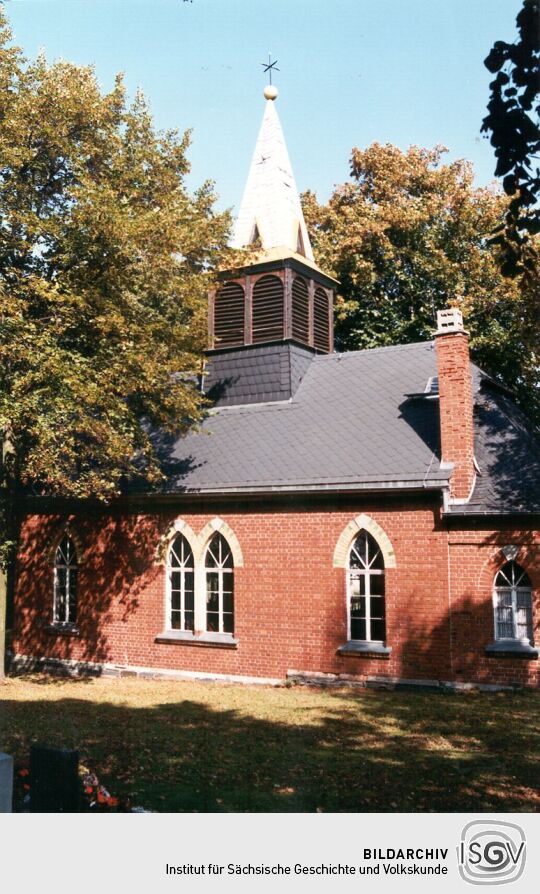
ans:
x=382 y=348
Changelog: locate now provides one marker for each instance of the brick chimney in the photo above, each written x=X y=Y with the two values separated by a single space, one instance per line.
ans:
x=455 y=401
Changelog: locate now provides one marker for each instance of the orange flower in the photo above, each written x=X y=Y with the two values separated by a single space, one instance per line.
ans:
x=24 y=772
x=113 y=802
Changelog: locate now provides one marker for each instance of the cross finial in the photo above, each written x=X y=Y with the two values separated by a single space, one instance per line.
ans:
x=270 y=67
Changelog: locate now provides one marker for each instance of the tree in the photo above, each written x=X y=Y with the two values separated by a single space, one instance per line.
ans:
x=515 y=135
x=105 y=263
x=408 y=236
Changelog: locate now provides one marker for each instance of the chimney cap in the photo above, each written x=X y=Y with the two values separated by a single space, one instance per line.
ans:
x=449 y=320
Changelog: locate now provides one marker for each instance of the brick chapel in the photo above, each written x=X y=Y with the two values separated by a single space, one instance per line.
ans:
x=368 y=516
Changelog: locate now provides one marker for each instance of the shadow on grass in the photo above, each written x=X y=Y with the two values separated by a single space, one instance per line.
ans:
x=343 y=751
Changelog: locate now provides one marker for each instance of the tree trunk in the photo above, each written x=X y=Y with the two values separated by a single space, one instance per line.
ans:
x=8 y=537
x=3 y=615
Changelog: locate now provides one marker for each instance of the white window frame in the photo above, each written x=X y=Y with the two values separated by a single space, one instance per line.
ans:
x=199 y=545
x=68 y=565
x=182 y=569
x=513 y=589
x=220 y=569
x=367 y=573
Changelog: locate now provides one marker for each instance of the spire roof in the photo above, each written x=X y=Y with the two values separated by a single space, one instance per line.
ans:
x=270 y=215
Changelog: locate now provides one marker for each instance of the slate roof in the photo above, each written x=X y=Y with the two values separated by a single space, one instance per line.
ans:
x=262 y=373
x=507 y=452
x=349 y=423
x=346 y=422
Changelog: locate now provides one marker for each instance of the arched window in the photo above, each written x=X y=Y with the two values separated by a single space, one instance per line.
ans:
x=367 y=616
x=219 y=567
x=181 y=585
x=65 y=582
x=512 y=604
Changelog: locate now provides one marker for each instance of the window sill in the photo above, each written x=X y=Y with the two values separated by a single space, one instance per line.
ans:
x=62 y=629
x=511 y=648
x=187 y=638
x=365 y=650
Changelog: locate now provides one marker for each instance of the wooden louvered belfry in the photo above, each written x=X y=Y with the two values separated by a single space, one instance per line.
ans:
x=265 y=303
x=267 y=310
x=229 y=315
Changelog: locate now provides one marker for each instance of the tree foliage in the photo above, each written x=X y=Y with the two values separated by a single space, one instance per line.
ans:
x=515 y=134
x=409 y=235
x=104 y=271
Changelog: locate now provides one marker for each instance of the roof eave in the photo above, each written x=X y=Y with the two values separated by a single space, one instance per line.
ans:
x=420 y=485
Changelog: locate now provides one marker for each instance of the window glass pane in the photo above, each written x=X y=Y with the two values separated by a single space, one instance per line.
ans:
x=523 y=598
x=175 y=620
x=212 y=592
x=512 y=574
x=504 y=577
x=354 y=560
x=176 y=580
x=358 y=628
x=180 y=554
x=212 y=622
x=187 y=555
x=376 y=560
x=214 y=551
x=62 y=556
x=358 y=585
x=228 y=623
x=211 y=560
x=60 y=594
x=174 y=557
x=524 y=614
x=522 y=624
x=504 y=598
x=189 y=620
x=72 y=595
x=175 y=600
x=374 y=555
x=377 y=607
x=227 y=559
x=376 y=584
x=358 y=607
x=365 y=553
x=503 y=614
x=227 y=601
x=189 y=596
x=378 y=631
x=358 y=557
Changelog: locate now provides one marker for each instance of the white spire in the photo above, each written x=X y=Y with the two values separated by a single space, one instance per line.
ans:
x=270 y=214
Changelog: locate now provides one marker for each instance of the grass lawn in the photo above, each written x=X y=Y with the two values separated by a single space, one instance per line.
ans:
x=175 y=746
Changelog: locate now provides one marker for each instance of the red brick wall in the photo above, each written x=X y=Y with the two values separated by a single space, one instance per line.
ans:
x=456 y=410
x=475 y=559
x=290 y=609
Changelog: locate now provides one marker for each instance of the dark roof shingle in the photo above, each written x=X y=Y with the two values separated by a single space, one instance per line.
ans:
x=347 y=421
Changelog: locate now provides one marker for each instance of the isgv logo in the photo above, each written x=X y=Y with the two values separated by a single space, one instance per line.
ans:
x=491 y=852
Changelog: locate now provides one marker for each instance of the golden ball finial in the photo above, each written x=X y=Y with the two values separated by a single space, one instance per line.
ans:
x=270 y=92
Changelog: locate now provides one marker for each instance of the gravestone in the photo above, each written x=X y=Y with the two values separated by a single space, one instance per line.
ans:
x=54 y=780
x=6 y=783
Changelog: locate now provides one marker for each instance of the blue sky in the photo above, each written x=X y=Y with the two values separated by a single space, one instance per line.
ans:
x=351 y=72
